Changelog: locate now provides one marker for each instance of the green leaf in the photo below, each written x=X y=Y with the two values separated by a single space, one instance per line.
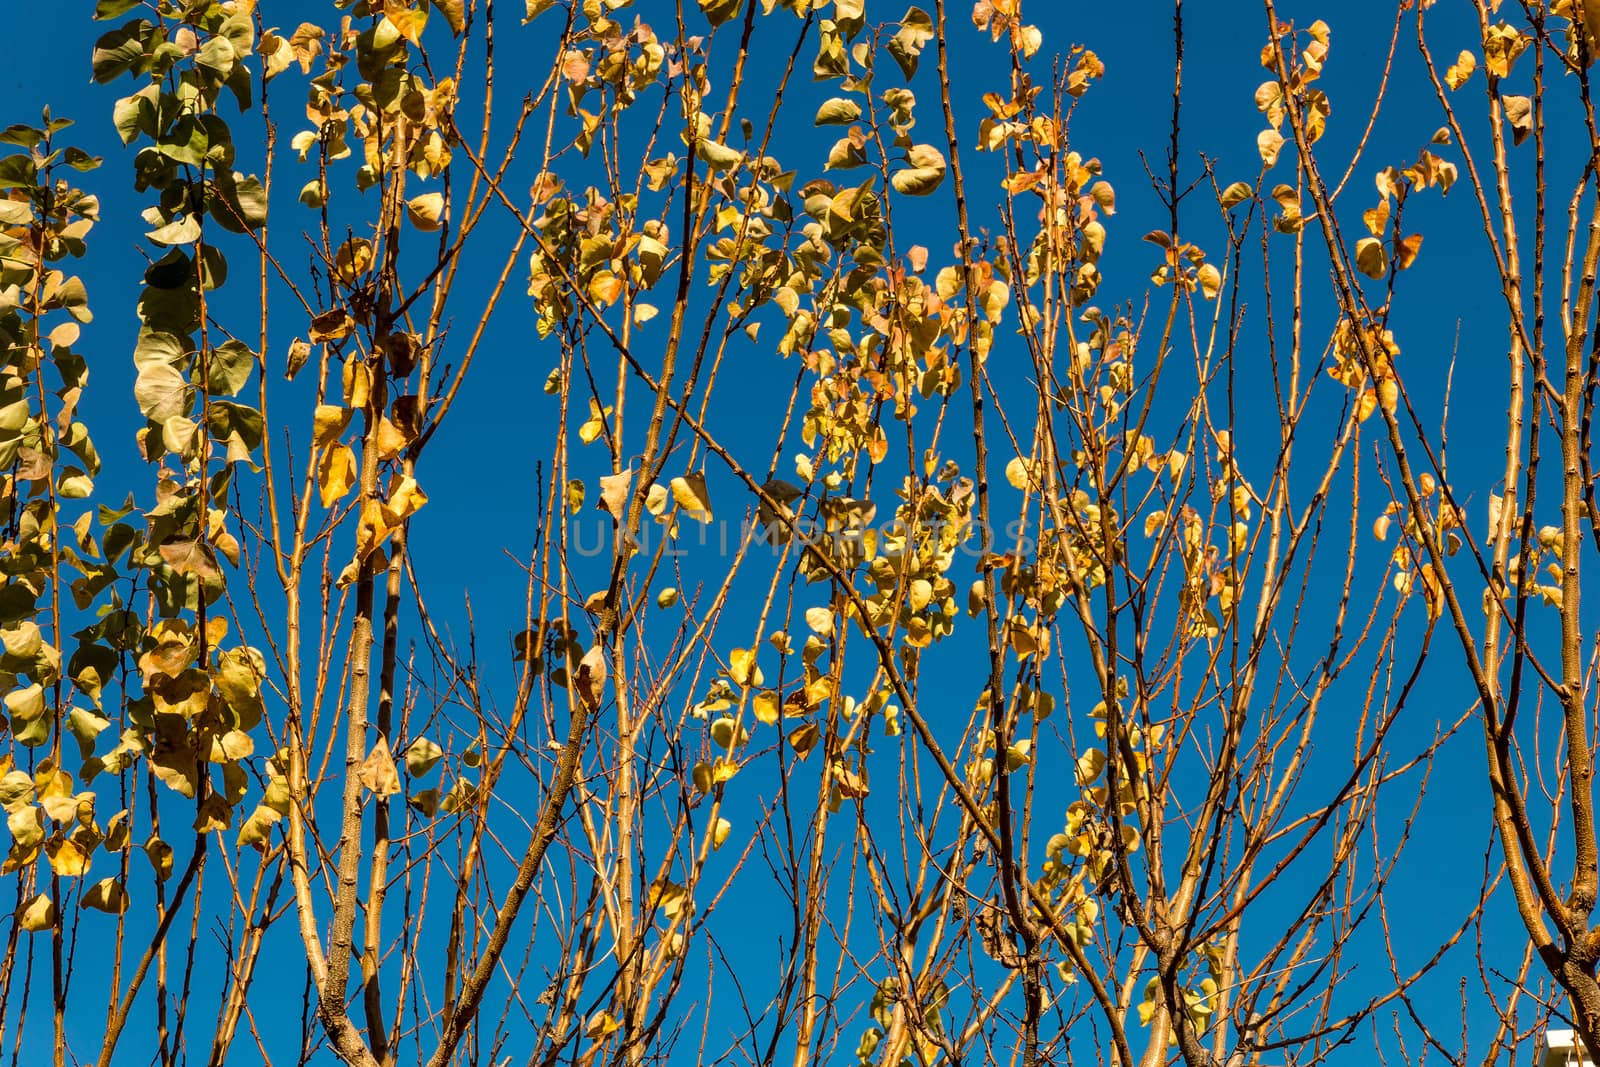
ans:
x=175 y=270
x=229 y=368
x=161 y=392
x=1237 y=193
x=718 y=11
x=18 y=171
x=177 y=435
x=244 y=204
x=22 y=136
x=25 y=704
x=182 y=232
x=422 y=756
x=257 y=829
x=74 y=484
x=237 y=426
x=121 y=50
x=110 y=9
x=155 y=346
x=453 y=12
x=74 y=298
x=79 y=160
x=916 y=30
x=191 y=557
x=718 y=155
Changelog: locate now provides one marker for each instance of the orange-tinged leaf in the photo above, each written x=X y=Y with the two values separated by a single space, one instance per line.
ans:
x=1377 y=218
x=406 y=498
x=1461 y=70
x=1405 y=250
x=605 y=288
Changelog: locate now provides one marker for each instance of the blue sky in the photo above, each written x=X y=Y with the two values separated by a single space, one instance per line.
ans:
x=480 y=477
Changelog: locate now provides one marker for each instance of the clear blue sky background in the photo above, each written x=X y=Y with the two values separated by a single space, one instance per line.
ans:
x=1123 y=120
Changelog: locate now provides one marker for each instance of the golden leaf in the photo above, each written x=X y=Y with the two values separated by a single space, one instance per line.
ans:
x=336 y=473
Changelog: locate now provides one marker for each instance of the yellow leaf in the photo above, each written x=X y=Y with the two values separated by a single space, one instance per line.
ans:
x=406 y=498
x=353 y=259
x=213 y=814
x=328 y=423
x=849 y=781
x=334 y=325
x=742 y=666
x=1024 y=642
x=1235 y=194
x=667 y=897
x=36 y=913
x=1502 y=44
x=336 y=474
x=1371 y=257
x=160 y=856
x=406 y=21
x=1268 y=143
x=426 y=212
x=391 y=439
x=690 y=494
x=591 y=430
x=804 y=738
x=357 y=382
x=106 y=895
x=601 y=1026
x=377 y=772
x=68 y=856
